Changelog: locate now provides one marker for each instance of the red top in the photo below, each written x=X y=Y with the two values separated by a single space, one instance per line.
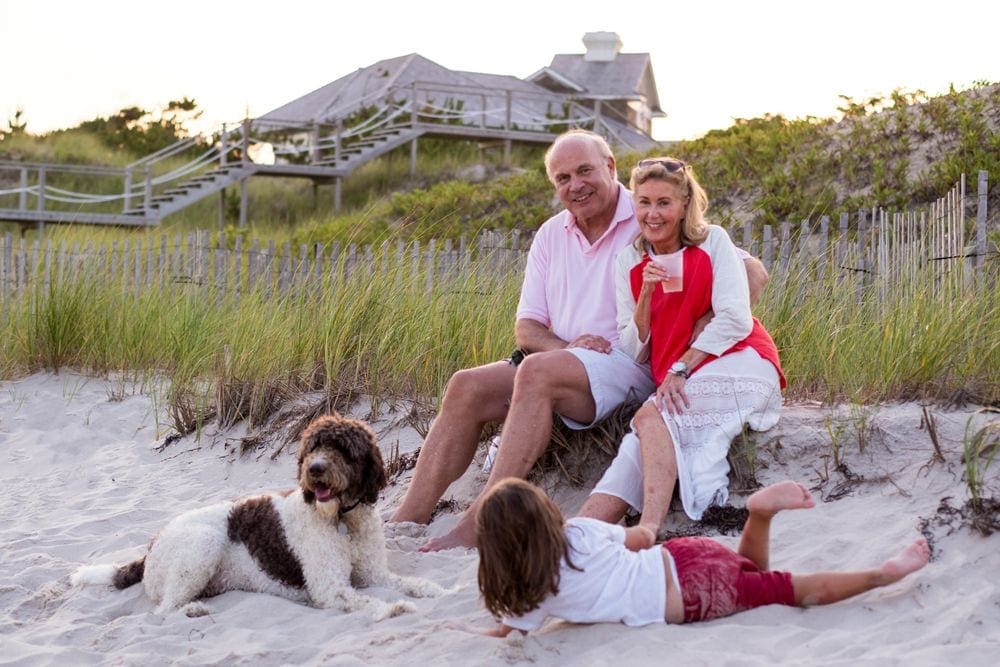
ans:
x=672 y=316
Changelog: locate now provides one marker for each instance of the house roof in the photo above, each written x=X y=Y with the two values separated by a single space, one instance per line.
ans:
x=365 y=85
x=629 y=75
x=370 y=85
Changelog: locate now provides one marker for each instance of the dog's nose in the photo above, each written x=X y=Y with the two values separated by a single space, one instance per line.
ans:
x=317 y=468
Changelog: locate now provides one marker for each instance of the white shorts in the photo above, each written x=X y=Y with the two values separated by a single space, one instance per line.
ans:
x=726 y=393
x=612 y=377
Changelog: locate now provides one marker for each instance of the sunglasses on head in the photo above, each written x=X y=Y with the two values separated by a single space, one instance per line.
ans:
x=670 y=164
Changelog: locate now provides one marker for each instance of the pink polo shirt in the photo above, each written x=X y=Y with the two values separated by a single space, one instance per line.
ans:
x=569 y=284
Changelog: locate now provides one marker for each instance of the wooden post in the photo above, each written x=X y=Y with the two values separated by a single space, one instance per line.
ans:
x=221 y=268
x=482 y=117
x=413 y=106
x=223 y=146
x=22 y=196
x=768 y=249
x=413 y=158
x=127 y=206
x=268 y=272
x=983 y=201
x=253 y=264
x=785 y=251
x=237 y=267
x=314 y=144
x=243 y=202
x=506 y=126
x=823 y=255
x=842 y=240
x=337 y=140
x=147 y=195
x=6 y=272
x=40 y=202
x=748 y=237
x=245 y=142
x=337 y=185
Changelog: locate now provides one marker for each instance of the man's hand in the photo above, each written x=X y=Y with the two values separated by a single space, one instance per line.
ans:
x=591 y=342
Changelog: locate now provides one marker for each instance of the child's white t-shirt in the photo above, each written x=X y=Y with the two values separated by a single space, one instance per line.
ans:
x=615 y=585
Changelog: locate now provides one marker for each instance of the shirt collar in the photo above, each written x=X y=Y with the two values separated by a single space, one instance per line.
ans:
x=624 y=211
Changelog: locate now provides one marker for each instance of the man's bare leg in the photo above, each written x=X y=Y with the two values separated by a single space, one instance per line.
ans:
x=545 y=382
x=830 y=587
x=755 y=542
x=472 y=398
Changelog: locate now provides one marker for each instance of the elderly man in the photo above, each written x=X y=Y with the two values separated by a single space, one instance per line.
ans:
x=565 y=322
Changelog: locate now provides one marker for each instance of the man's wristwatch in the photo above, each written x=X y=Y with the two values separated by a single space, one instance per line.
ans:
x=679 y=368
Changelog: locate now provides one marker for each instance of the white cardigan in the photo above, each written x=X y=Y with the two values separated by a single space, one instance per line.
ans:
x=732 y=321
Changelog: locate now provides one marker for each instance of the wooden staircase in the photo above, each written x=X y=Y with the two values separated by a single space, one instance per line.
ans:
x=326 y=153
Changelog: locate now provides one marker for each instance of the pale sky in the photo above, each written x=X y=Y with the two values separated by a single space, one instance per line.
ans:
x=714 y=60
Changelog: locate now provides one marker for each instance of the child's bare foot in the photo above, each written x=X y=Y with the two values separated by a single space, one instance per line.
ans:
x=909 y=560
x=786 y=495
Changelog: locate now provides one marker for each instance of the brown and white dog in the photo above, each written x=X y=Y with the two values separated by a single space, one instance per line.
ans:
x=288 y=544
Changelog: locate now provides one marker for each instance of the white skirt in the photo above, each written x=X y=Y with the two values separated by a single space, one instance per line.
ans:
x=725 y=394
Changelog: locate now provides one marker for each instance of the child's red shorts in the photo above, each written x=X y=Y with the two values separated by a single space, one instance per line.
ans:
x=716 y=581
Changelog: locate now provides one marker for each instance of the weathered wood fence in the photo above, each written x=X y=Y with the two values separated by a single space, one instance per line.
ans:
x=872 y=247
x=236 y=268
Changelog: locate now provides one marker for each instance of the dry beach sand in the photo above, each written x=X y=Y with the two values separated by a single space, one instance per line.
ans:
x=85 y=479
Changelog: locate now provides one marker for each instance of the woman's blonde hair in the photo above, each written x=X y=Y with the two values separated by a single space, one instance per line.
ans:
x=694 y=227
x=519 y=534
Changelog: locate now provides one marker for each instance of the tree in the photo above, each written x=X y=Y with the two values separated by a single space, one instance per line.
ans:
x=141 y=131
x=16 y=124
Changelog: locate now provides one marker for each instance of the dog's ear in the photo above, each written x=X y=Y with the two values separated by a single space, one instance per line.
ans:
x=360 y=439
x=375 y=478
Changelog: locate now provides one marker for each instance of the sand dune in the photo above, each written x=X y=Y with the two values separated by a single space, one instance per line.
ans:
x=85 y=480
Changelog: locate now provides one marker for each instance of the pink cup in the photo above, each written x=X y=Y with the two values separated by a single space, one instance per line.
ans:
x=673 y=264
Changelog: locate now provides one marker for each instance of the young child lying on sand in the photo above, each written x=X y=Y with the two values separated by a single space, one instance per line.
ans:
x=534 y=564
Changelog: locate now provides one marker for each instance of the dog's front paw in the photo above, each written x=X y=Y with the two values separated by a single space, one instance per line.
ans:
x=420 y=588
x=388 y=610
x=195 y=609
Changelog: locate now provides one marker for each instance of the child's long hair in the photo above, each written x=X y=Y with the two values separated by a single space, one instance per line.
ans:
x=519 y=534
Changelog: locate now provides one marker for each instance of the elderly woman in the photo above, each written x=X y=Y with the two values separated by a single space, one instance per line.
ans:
x=712 y=379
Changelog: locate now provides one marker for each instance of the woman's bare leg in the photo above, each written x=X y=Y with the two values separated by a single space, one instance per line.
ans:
x=829 y=587
x=755 y=542
x=659 y=467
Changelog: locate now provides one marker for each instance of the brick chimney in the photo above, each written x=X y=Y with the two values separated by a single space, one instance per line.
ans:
x=601 y=46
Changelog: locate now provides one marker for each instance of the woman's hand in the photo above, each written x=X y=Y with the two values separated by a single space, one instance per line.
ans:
x=670 y=395
x=652 y=275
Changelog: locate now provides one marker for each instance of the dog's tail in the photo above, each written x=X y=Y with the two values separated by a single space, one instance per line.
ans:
x=119 y=576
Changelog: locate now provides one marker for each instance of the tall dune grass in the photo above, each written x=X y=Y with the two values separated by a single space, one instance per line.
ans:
x=923 y=338
x=383 y=333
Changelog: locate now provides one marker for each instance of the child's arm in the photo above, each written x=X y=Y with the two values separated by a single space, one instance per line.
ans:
x=639 y=537
x=499 y=631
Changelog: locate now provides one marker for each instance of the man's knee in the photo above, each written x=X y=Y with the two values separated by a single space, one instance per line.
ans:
x=471 y=385
x=548 y=371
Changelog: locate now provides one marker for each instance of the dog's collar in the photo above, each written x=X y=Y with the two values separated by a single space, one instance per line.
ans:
x=344 y=511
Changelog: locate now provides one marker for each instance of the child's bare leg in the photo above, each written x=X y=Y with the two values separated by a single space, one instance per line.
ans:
x=755 y=542
x=829 y=587
x=659 y=467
